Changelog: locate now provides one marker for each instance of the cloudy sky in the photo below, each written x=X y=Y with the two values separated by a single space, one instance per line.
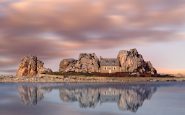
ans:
x=57 y=29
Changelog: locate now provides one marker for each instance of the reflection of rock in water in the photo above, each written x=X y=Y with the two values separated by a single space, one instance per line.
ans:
x=86 y=97
x=127 y=99
x=133 y=99
x=30 y=95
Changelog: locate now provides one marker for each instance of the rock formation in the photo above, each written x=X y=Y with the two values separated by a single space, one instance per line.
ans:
x=31 y=66
x=86 y=63
x=132 y=61
x=67 y=64
x=41 y=68
x=150 y=68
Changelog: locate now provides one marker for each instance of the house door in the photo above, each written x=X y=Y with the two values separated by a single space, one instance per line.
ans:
x=110 y=71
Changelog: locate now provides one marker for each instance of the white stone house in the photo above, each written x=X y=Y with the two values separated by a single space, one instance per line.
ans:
x=109 y=65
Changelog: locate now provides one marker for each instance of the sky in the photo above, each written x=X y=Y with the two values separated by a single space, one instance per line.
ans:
x=58 y=29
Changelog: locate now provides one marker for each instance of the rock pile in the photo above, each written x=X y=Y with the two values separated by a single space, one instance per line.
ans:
x=41 y=69
x=31 y=66
x=86 y=63
x=67 y=64
x=129 y=61
x=132 y=61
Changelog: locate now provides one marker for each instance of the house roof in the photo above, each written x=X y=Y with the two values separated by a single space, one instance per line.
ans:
x=109 y=62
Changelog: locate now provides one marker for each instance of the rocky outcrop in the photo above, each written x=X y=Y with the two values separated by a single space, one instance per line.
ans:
x=128 y=61
x=86 y=63
x=132 y=61
x=31 y=66
x=150 y=68
x=41 y=68
x=67 y=64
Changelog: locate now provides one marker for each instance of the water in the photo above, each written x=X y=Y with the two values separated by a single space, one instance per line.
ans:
x=92 y=99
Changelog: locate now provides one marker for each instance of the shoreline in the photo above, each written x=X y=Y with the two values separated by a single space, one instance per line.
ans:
x=45 y=78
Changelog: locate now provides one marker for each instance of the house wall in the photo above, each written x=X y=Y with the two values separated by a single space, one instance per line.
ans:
x=109 y=69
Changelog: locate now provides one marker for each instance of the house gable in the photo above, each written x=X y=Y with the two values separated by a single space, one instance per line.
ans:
x=109 y=65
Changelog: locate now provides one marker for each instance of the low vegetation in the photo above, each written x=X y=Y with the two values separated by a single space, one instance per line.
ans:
x=118 y=74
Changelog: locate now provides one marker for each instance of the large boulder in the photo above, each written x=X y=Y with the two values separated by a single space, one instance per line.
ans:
x=86 y=63
x=67 y=64
x=132 y=61
x=31 y=66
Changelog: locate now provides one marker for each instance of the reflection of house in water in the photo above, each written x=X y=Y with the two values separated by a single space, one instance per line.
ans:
x=108 y=98
x=127 y=99
x=30 y=95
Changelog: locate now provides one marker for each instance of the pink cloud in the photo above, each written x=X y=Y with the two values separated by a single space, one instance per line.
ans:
x=85 y=24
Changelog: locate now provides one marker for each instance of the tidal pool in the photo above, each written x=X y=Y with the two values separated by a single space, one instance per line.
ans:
x=92 y=99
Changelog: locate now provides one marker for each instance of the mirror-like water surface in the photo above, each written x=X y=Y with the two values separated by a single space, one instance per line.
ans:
x=92 y=99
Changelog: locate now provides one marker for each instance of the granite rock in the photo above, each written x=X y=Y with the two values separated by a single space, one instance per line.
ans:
x=67 y=64
x=86 y=63
x=31 y=66
x=132 y=61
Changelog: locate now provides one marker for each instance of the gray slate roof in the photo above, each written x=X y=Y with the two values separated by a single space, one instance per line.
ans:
x=109 y=62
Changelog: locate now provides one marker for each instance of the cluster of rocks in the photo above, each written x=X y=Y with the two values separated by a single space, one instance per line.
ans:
x=130 y=61
x=86 y=63
x=31 y=66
